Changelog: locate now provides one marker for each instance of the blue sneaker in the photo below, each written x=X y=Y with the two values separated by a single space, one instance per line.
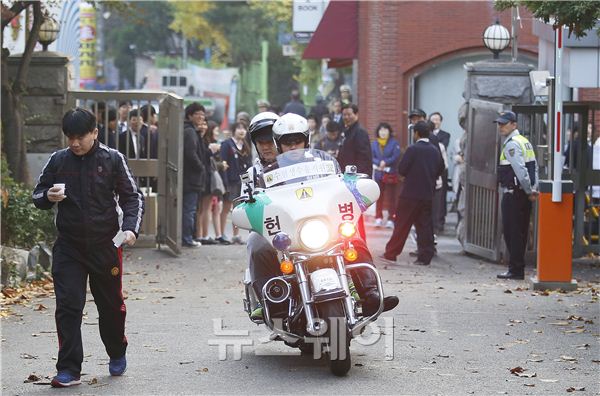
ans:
x=64 y=379
x=117 y=366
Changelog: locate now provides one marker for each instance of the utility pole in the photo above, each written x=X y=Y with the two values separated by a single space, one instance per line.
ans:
x=264 y=69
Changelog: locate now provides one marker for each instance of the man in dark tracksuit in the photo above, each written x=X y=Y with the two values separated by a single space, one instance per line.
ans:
x=97 y=200
x=419 y=169
x=517 y=175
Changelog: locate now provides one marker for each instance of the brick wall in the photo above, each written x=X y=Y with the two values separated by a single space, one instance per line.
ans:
x=591 y=95
x=399 y=39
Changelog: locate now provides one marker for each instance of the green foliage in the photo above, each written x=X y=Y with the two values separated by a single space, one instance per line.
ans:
x=310 y=75
x=141 y=26
x=23 y=225
x=578 y=16
x=245 y=25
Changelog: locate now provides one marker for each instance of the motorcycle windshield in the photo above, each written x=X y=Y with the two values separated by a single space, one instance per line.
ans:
x=299 y=165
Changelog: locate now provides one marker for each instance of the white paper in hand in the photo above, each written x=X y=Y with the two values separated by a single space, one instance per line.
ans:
x=119 y=238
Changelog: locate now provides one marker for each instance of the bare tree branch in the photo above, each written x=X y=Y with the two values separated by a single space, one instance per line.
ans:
x=20 y=83
x=9 y=14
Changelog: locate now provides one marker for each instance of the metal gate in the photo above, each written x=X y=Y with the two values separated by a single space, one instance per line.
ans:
x=579 y=161
x=159 y=171
x=483 y=225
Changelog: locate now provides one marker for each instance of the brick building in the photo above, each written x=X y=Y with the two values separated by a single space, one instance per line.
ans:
x=410 y=54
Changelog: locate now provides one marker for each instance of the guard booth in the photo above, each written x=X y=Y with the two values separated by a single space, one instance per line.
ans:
x=157 y=166
x=491 y=87
x=483 y=226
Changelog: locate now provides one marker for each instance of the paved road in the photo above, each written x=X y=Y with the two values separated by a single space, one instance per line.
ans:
x=457 y=330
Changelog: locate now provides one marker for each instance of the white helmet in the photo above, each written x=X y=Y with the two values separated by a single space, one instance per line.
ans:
x=288 y=125
x=261 y=125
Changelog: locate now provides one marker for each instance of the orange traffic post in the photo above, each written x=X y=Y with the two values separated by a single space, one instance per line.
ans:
x=554 y=239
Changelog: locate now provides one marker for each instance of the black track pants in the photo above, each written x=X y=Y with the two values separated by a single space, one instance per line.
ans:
x=71 y=266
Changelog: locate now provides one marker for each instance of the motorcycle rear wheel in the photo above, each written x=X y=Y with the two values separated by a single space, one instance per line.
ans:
x=329 y=311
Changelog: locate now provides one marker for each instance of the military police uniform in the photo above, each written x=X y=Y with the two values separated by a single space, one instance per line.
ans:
x=518 y=176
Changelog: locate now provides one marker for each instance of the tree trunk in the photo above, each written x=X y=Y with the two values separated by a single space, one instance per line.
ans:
x=15 y=146
x=12 y=129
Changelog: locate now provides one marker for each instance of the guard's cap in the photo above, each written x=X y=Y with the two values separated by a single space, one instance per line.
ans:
x=506 y=117
x=417 y=113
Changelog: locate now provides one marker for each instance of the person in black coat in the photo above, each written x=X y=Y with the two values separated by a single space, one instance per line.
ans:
x=295 y=105
x=109 y=137
x=443 y=136
x=194 y=171
x=356 y=149
x=419 y=169
x=132 y=143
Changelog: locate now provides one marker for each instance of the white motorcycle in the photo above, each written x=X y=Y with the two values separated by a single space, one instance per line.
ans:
x=308 y=211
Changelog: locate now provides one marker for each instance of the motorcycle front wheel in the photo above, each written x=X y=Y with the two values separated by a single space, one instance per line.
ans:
x=339 y=345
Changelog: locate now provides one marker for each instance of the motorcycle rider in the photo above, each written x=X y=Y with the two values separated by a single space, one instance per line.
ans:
x=259 y=249
x=290 y=132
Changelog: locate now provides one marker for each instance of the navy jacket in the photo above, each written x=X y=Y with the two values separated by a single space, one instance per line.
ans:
x=141 y=141
x=99 y=185
x=421 y=165
x=237 y=162
x=444 y=138
x=390 y=154
x=295 y=107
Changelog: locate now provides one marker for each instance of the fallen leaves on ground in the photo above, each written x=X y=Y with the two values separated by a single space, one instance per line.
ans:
x=32 y=378
x=23 y=295
x=520 y=372
x=568 y=358
x=576 y=331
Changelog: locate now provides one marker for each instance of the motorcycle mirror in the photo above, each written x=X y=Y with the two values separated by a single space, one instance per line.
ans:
x=245 y=178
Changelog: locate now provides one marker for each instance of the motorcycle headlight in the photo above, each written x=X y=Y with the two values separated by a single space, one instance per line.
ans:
x=314 y=234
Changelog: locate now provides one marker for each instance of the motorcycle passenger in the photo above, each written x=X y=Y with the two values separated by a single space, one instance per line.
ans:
x=290 y=132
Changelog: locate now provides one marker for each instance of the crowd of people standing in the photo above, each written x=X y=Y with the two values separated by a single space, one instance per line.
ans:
x=214 y=159
x=333 y=128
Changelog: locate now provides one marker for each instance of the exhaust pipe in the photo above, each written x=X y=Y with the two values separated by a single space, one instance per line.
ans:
x=276 y=290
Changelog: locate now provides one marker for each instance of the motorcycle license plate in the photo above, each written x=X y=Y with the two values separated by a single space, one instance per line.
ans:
x=324 y=279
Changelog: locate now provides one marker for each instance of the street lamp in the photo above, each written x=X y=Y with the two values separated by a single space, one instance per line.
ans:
x=496 y=38
x=48 y=32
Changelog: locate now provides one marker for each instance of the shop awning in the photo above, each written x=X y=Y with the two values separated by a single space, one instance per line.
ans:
x=336 y=37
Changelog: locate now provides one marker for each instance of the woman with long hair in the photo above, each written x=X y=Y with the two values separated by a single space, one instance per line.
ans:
x=386 y=156
x=217 y=200
x=238 y=155
x=206 y=202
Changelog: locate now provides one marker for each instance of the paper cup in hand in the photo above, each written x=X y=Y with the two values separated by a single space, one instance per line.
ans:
x=61 y=186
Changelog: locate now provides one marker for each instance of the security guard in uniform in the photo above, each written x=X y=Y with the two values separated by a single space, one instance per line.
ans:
x=518 y=176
